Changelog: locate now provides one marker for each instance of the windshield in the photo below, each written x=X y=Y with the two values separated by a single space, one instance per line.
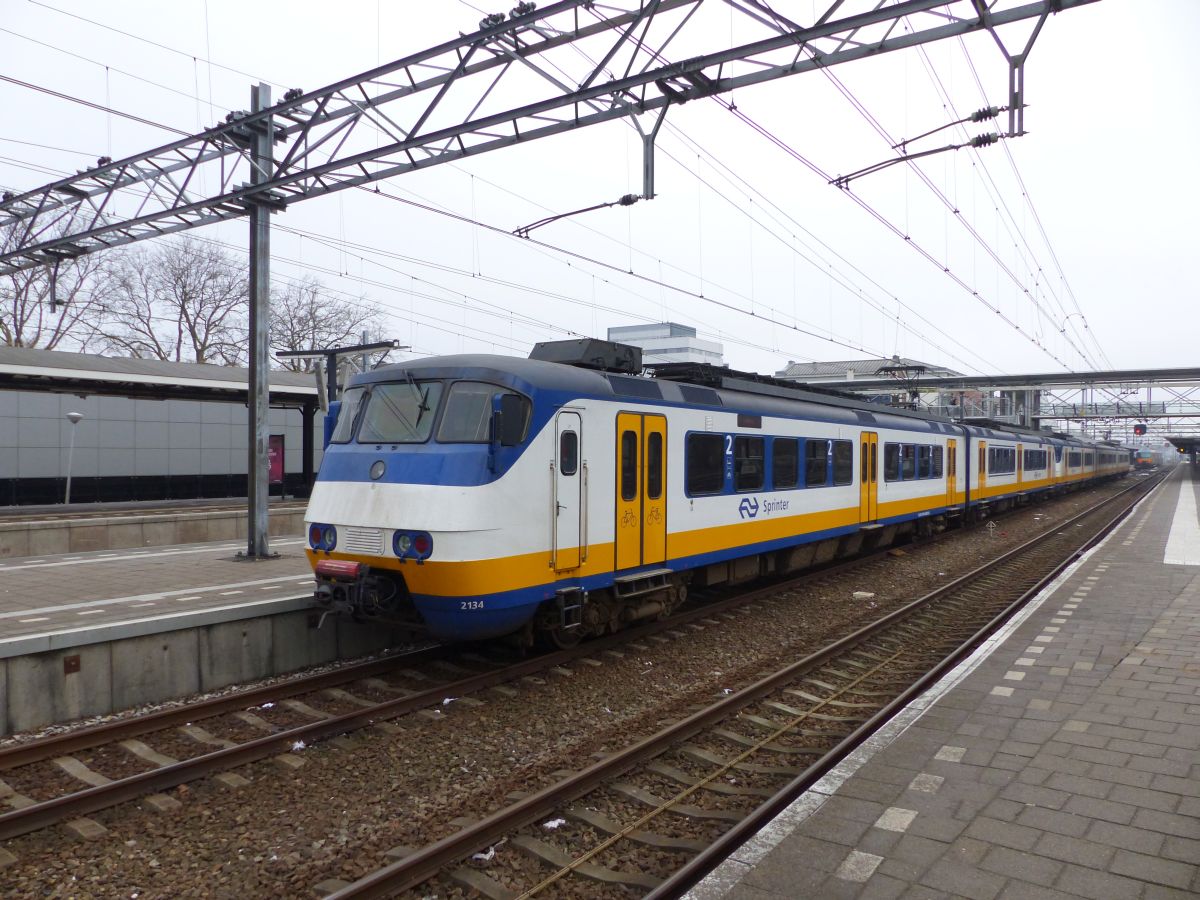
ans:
x=351 y=403
x=468 y=415
x=400 y=412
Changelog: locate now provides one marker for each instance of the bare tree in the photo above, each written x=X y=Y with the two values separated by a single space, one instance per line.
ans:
x=184 y=301
x=304 y=315
x=26 y=319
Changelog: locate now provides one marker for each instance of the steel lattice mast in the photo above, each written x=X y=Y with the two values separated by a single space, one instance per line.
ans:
x=515 y=80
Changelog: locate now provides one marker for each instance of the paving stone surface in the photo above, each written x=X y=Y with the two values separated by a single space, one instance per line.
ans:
x=1065 y=764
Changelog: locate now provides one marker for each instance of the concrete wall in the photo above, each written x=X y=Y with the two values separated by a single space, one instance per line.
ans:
x=72 y=682
x=127 y=529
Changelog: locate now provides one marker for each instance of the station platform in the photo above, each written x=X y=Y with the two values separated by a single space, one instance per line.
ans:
x=1062 y=759
x=80 y=527
x=91 y=633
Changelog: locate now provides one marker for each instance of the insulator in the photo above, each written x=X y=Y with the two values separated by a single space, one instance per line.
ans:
x=629 y=199
x=522 y=9
x=984 y=140
x=981 y=114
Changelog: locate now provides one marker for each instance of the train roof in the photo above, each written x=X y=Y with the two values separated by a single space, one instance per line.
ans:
x=695 y=385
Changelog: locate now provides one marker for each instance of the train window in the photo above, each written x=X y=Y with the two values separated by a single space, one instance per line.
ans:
x=924 y=462
x=1001 y=460
x=351 y=404
x=705 y=463
x=1089 y=458
x=748 y=463
x=468 y=415
x=843 y=462
x=785 y=463
x=937 y=462
x=1058 y=454
x=629 y=469
x=568 y=453
x=654 y=465
x=908 y=462
x=1074 y=459
x=400 y=412
x=816 y=467
x=1035 y=460
x=891 y=462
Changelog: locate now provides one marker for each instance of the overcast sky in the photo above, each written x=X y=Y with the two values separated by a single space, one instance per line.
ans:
x=743 y=242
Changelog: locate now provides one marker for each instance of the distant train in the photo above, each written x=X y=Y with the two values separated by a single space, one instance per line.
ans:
x=1147 y=459
x=482 y=496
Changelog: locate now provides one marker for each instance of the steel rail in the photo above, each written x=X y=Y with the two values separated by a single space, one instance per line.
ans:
x=708 y=859
x=40 y=815
x=430 y=860
x=23 y=754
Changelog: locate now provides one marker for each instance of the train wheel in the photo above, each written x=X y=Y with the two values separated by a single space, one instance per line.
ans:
x=560 y=638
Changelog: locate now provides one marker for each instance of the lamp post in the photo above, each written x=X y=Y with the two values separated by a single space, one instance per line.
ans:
x=74 y=418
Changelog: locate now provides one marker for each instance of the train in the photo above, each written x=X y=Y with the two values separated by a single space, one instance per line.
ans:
x=566 y=495
x=1147 y=459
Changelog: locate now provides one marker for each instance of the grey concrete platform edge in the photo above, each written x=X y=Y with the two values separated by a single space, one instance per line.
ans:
x=100 y=633
x=69 y=675
x=50 y=537
x=727 y=876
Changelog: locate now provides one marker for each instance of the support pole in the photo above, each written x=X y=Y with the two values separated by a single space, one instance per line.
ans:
x=307 y=452
x=648 y=153
x=257 y=484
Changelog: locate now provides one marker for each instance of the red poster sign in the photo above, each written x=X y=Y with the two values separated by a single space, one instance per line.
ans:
x=275 y=458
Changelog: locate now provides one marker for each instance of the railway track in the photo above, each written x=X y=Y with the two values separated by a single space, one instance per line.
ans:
x=197 y=740
x=658 y=815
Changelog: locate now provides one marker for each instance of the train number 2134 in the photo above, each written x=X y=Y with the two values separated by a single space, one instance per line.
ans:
x=470 y=604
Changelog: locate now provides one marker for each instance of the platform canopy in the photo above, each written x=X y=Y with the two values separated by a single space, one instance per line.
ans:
x=55 y=371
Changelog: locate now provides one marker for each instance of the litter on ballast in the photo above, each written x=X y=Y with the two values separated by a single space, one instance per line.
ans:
x=862 y=595
x=298 y=745
x=554 y=823
x=487 y=856
x=448 y=701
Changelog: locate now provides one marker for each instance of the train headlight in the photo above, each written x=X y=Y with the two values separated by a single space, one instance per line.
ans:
x=377 y=469
x=329 y=537
x=314 y=536
x=416 y=545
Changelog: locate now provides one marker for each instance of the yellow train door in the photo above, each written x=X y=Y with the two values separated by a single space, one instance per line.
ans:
x=868 y=471
x=641 y=501
x=982 y=467
x=629 y=501
x=654 y=489
x=951 y=471
x=1020 y=464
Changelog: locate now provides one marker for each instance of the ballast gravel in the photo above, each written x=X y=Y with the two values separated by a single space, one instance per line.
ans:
x=338 y=814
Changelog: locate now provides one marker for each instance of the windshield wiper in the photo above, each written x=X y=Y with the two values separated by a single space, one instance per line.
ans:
x=422 y=399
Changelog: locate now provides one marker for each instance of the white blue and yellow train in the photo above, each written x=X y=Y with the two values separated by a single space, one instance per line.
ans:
x=480 y=496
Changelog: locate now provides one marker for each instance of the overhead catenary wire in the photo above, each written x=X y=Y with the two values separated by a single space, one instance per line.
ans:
x=1014 y=230
x=804 y=331
x=1037 y=218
